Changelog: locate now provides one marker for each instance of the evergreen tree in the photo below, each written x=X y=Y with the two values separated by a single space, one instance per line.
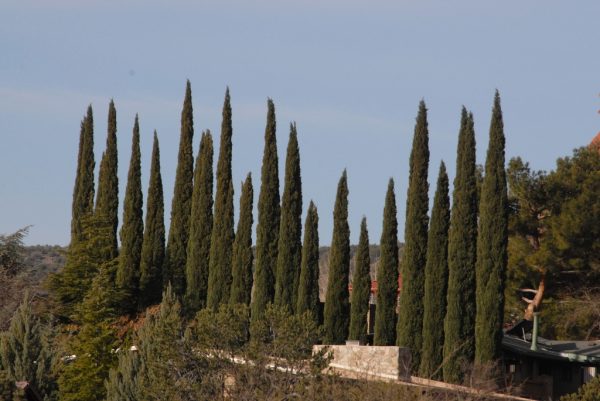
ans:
x=200 y=227
x=241 y=286
x=387 y=274
x=83 y=193
x=459 y=324
x=153 y=247
x=410 y=317
x=436 y=281
x=267 y=230
x=221 y=245
x=122 y=383
x=132 y=230
x=107 y=198
x=181 y=208
x=308 y=283
x=337 y=307
x=491 y=245
x=361 y=287
x=289 y=253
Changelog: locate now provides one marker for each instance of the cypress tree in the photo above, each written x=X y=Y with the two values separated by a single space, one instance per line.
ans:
x=181 y=207
x=491 y=245
x=459 y=324
x=436 y=281
x=308 y=283
x=153 y=247
x=221 y=244
x=83 y=193
x=132 y=230
x=200 y=228
x=361 y=287
x=267 y=230
x=107 y=198
x=289 y=253
x=387 y=274
x=410 y=317
x=337 y=307
x=241 y=285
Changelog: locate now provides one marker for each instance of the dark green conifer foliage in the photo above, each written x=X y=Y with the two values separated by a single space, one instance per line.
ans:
x=308 y=283
x=132 y=230
x=83 y=193
x=436 y=281
x=361 y=287
x=267 y=230
x=181 y=208
x=107 y=198
x=337 y=305
x=387 y=274
x=243 y=257
x=289 y=253
x=410 y=317
x=153 y=246
x=459 y=324
x=221 y=245
x=491 y=245
x=200 y=228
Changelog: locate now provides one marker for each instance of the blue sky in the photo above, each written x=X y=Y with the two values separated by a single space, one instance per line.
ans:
x=349 y=72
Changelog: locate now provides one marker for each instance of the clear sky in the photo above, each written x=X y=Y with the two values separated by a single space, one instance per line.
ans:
x=349 y=72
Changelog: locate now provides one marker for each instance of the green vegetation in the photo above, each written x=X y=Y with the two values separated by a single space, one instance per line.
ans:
x=201 y=222
x=387 y=274
x=289 y=253
x=241 y=285
x=361 y=287
x=221 y=245
x=308 y=283
x=181 y=208
x=410 y=317
x=337 y=303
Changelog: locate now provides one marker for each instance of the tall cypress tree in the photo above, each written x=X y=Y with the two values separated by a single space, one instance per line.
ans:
x=361 y=287
x=83 y=193
x=459 y=324
x=107 y=198
x=153 y=247
x=289 y=253
x=132 y=231
x=243 y=257
x=410 y=317
x=221 y=246
x=491 y=245
x=175 y=257
x=387 y=274
x=200 y=228
x=308 y=283
x=267 y=230
x=337 y=306
x=436 y=281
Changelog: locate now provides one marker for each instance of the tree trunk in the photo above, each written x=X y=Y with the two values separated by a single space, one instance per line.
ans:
x=534 y=304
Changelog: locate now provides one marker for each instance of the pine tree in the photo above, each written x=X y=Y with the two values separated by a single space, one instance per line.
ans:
x=289 y=253
x=83 y=193
x=132 y=230
x=107 y=198
x=436 y=281
x=200 y=228
x=491 y=245
x=267 y=230
x=459 y=324
x=337 y=307
x=387 y=274
x=221 y=245
x=153 y=247
x=181 y=208
x=361 y=287
x=410 y=317
x=308 y=283
x=243 y=257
